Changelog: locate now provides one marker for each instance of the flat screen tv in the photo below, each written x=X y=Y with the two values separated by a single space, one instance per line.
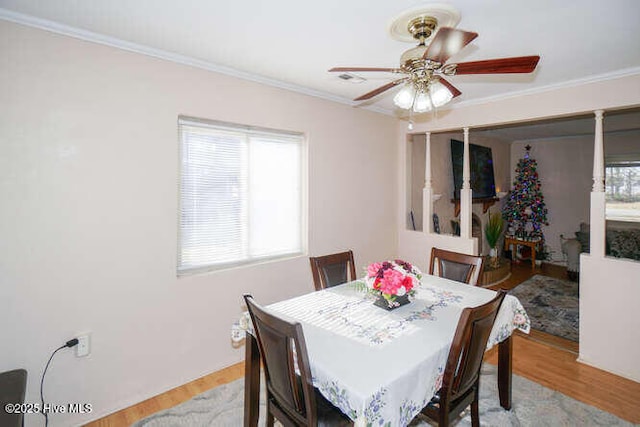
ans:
x=482 y=180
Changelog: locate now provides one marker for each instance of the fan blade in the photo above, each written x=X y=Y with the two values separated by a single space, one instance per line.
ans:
x=454 y=90
x=447 y=42
x=518 y=64
x=365 y=69
x=381 y=89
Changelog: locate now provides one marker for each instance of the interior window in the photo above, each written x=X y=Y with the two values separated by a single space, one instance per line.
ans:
x=623 y=191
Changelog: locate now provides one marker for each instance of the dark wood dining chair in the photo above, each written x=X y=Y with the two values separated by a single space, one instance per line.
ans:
x=291 y=397
x=332 y=270
x=461 y=380
x=456 y=266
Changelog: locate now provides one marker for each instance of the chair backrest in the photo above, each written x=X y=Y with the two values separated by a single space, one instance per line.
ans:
x=332 y=270
x=468 y=347
x=456 y=266
x=277 y=338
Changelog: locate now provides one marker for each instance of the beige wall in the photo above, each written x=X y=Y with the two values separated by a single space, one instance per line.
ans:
x=617 y=352
x=88 y=180
x=609 y=321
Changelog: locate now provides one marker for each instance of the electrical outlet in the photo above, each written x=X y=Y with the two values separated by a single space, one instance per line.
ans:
x=84 y=345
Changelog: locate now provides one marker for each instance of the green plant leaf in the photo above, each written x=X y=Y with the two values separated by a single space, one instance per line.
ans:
x=493 y=229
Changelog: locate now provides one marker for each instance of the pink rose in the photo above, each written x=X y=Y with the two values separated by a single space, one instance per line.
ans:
x=394 y=277
x=391 y=281
x=372 y=269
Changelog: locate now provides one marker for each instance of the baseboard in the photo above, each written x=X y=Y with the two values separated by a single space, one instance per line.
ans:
x=610 y=371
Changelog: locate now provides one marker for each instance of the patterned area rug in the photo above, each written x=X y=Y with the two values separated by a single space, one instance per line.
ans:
x=533 y=405
x=552 y=305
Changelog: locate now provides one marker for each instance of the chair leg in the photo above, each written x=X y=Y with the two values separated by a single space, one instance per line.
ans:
x=475 y=413
x=443 y=416
x=270 y=419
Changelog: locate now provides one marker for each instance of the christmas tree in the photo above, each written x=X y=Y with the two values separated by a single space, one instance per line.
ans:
x=525 y=211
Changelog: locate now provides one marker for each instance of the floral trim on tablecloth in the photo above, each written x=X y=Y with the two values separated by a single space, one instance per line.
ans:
x=333 y=312
x=377 y=335
x=520 y=321
x=372 y=411
x=408 y=411
x=437 y=384
x=443 y=297
x=424 y=314
x=336 y=310
x=373 y=334
x=338 y=396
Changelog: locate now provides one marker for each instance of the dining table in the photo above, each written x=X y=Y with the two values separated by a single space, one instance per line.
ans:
x=378 y=366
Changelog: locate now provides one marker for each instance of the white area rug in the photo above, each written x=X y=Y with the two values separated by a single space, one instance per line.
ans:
x=533 y=405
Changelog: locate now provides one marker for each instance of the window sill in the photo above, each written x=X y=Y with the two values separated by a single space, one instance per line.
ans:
x=237 y=265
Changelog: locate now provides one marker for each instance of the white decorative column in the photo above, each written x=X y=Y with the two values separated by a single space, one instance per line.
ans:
x=465 y=192
x=598 y=221
x=427 y=191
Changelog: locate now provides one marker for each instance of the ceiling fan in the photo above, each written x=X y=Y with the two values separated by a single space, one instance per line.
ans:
x=423 y=67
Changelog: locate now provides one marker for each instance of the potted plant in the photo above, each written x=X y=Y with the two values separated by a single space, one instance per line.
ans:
x=492 y=232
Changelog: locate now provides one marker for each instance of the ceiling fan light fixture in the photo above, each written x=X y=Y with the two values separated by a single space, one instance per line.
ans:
x=422 y=103
x=440 y=95
x=424 y=67
x=404 y=97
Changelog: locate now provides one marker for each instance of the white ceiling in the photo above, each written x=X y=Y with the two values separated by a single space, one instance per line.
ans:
x=292 y=43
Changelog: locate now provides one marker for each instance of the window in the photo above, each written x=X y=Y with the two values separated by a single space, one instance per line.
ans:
x=623 y=190
x=240 y=195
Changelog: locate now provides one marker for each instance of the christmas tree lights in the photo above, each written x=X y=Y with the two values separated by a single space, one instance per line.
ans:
x=525 y=211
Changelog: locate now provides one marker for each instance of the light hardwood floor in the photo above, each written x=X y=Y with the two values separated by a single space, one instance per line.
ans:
x=543 y=358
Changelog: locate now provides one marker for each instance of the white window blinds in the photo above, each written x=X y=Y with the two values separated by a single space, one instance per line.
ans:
x=240 y=195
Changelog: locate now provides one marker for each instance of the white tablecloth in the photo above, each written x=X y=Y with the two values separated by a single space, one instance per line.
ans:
x=381 y=367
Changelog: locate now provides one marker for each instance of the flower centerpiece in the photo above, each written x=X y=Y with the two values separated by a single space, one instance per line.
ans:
x=393 y=282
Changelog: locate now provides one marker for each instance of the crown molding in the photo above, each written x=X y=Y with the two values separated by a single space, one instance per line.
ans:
x=67 y=30
x=555 y=86
x=90 y=36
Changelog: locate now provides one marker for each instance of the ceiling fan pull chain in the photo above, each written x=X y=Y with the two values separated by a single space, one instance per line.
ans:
x=410 y=126
x=435 y=107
